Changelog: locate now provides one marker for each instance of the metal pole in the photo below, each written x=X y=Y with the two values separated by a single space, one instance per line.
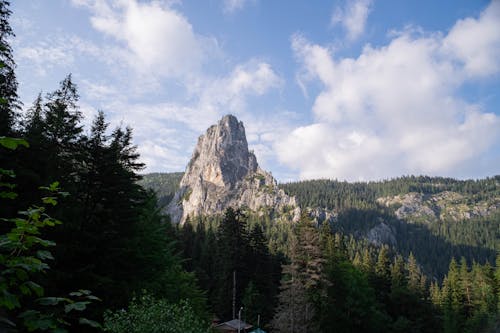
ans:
x=239 y=320
x=234 y=294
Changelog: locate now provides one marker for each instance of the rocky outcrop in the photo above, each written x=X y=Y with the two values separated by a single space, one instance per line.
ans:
x=322 y=215
x=223 y=173
x=445 y=205
x=381 y=234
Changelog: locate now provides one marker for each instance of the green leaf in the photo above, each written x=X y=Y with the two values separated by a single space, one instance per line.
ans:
x=29 y=314
x=51 y=222
x=93 y=298
x=51 y=300
x=24 y=289
x=78 y=306
x=38 y=289
x=54 y=187
x=8 y=195
x=80 y=292
x=40 y=324
x=8 y=173
x=92 y=323
x=49 y=200
x=9 y=300
x=12 y=143
x=44 y=254
x=8 y=185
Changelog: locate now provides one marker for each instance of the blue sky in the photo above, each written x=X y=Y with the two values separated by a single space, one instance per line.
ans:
x=354 y=90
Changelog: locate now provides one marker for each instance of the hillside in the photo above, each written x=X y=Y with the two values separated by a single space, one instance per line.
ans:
x=435 y=218
x=163 y=184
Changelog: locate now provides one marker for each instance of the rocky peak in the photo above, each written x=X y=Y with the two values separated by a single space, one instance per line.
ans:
x=223 y=173
x=221 y=156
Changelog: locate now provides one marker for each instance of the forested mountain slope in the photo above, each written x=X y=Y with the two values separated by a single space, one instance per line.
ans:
x=435 y=218
x=163 y=184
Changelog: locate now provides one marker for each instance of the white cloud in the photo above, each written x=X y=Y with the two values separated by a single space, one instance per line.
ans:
x=230 y=93
x=395 y=109
x=160 y=41
x=352 y=17
x=476 y=42
x=45 y=57
x=156 y=38
x=231 y=6
x=166 y=132
x=56 y=52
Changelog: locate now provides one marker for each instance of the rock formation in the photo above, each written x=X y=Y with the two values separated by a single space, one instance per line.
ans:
x=447 y=205
x=223 y=173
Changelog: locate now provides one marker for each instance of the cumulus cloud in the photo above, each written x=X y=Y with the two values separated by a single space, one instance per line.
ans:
x=395 y=109
x=156 y=38
x=352 y=17
x=475 y=42
x=230 y=93
x=166 y=132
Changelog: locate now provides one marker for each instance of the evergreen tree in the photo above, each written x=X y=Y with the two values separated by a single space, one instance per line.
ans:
x=187 y=238
x=497 y=281
x=34 y=123
x=9 y=102
x=465 y=287
x=348 y=303
x=452 y=300
x=290 y=315
x=382 y=279
x=398 y=274
x=232 y=250
x=302 y=284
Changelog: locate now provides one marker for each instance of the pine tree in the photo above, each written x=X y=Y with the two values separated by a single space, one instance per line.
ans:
x=9 y=102
x=367 y=265
x=452 y=300
x=465 y=286
x=291 y=315
x=414 y=275
x=232 y=249
x=435 y=293
x=187 y=238
x=63 y=115
x=34 y=124
x=497 y=281
x=253 y=303
x=303 y=282
x=398 y=274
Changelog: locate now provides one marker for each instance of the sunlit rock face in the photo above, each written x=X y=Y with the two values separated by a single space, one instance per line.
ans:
x=222 y=173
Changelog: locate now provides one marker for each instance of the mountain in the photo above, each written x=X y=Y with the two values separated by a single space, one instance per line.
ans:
x=223 y=173
x=163 y=184
x=434 y=218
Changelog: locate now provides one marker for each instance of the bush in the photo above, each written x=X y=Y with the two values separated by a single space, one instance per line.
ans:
x=147 y=314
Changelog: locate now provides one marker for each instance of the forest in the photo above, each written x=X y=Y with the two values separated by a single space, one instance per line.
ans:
x=84 y=247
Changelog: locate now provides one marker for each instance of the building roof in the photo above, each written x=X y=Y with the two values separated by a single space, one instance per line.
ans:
x=233 y=325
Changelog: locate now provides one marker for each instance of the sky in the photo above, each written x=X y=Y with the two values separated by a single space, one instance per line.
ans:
x=351 y=90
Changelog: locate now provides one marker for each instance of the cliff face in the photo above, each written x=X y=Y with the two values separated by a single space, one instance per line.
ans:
x=444 y=206
x=223 y=173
